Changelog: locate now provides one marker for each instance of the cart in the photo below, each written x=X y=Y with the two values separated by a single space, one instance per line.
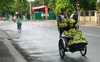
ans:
x=63 y=47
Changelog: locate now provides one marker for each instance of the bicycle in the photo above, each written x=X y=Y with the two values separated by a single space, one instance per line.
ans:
x=19 y=27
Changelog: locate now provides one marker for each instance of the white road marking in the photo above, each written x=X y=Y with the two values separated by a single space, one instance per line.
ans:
x=92 y=34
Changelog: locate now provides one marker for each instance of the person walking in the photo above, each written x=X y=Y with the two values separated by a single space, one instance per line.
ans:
x=61 y=17
x=71 y=14
x=4 y=18
x=75 y=17
x=14 y=19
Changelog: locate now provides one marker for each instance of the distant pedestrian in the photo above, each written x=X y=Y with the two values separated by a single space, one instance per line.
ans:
x=75 y=17
x=4 y=18
x=1 y=17
x=71 y=14
x=14 y=19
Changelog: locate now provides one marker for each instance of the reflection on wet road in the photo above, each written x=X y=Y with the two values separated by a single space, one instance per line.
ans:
x=39 y=41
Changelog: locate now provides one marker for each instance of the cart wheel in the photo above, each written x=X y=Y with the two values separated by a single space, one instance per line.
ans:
x=84 y=51
x=61 y=48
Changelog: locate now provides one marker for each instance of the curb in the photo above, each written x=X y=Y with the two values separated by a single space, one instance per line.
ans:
x=15 y=54
x=90 y=26
x=85 y=25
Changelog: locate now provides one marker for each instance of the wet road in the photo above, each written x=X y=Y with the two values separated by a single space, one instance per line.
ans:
x=39 y=42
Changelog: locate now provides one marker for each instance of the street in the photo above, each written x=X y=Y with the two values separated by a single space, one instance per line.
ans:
x=38 y=42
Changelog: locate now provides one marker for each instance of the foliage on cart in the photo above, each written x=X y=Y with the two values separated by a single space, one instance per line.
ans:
x=77 y=37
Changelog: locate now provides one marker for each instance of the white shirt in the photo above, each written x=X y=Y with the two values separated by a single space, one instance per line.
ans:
x=71 y=16
x=62 y=17
x=4 y=17
x=14 y=17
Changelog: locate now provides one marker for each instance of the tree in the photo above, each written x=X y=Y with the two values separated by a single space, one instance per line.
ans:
x=63 y=4
x=85 y=4
x=20 y=7
x=45 y=2
x=92 y=5
x=6 y=5
x=52 y=4
x=72 y=5
x=36 y=3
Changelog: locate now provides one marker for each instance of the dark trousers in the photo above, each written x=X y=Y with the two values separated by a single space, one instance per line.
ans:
x=18 y=25
x=4 y=19
x=60 y=32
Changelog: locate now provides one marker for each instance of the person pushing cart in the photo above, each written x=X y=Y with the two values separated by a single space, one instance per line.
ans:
x=61 y=17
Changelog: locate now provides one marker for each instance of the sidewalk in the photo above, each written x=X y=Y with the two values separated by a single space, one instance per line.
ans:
x=7 y=52
x=86 y=24
x=5 y=55
x=89 y=24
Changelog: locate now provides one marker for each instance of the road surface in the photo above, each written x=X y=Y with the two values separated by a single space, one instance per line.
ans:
x=38 y=42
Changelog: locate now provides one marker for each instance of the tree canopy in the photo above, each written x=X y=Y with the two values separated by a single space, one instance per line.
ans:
x=19 y=6
x=11 y=6
x=45 y=2
x=63 y=4
x=72 y=5
x=5 y=3
x=36 y=3
x=52 y=4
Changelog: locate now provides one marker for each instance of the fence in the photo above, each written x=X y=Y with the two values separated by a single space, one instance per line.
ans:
x=89 y=16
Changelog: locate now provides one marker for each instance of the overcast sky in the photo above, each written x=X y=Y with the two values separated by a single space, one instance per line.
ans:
x=31 y=0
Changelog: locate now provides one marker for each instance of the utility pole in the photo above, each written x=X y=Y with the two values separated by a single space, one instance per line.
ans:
x=78 y=4
x=98 y=2
x=30 y=11
x=78 y=12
